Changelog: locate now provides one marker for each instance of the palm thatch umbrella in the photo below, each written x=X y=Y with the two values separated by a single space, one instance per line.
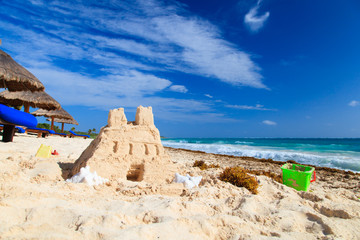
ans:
x=34 y=99
x=59 y=113
x=63 y=121
x=14 y=77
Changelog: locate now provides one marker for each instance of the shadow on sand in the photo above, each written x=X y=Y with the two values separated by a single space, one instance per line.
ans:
x=65 y=169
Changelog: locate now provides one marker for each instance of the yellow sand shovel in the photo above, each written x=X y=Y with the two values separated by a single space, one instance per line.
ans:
x=44 y=151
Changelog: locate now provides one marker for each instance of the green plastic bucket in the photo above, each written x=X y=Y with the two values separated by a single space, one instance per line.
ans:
x=297 y=176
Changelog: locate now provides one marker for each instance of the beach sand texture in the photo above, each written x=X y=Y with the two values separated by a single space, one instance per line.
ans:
x=37 y=203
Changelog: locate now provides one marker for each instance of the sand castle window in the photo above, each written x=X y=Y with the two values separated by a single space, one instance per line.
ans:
x=135 y=173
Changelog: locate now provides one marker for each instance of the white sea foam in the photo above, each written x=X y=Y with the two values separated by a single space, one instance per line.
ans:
x=241 y=142
x=340 y=161
x=85 y=176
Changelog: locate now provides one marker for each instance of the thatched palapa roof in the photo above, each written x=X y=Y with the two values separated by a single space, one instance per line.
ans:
x=34 y=99
x=68 y=121
x=55 y=114
x=60 y=113
x=14 y=77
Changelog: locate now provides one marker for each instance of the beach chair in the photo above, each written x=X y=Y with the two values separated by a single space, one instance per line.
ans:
x=10 y=117
x=60 y=134
x=20 y=129
x=40 y=132
x=17 y=129
x=73 y=134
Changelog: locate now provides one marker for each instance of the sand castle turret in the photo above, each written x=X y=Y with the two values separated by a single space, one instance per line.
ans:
x=127 y=150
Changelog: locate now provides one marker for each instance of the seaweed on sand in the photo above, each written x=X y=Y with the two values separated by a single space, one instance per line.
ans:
x=203 y=166
x=274 y=176
x=239 y=177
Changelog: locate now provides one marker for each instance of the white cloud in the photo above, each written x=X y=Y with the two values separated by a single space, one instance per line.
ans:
x=197 y=117
x=115 y=53
x=268 y=122
x=247 y=107
x=253 y=21
x=205 y=53
x=354 y=103
x=178 y=88
x=208 y=95
x=153 y=36
x=130 y=91
x=132 y=83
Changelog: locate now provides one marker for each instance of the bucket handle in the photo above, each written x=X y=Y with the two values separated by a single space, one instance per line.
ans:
x=313 y=180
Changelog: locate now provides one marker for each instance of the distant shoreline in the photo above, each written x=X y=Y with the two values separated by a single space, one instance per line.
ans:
x=263 y=160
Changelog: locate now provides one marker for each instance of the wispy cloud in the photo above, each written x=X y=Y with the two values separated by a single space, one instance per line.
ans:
x=179 y=88
x=252 y=19
x=114 y=53
x=131 y=34
x=268 y=122
x=104 y=93
x=247 y=107
x=208 y=95
x=354 y=103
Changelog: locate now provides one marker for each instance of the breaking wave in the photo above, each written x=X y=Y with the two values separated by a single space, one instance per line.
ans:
x=340 y=160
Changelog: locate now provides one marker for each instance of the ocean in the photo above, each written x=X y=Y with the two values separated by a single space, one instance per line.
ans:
x=340 y=153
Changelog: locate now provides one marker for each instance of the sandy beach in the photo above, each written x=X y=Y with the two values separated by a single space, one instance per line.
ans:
x=37 y=203
x=247 y=95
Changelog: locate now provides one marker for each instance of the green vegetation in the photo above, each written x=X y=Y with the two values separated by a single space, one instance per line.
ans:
x=91 y=132
x=47 y=126
x=43 y=125
x=92 y=135
x=203 y=166
x=239 y=177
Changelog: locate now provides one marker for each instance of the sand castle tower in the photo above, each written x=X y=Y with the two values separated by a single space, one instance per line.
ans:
x=128 y=150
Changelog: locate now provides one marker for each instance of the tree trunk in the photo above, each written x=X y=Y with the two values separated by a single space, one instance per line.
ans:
x=52 y=123
x=26 y=108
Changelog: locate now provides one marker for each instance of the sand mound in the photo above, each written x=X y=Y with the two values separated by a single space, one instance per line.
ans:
x=128 y=150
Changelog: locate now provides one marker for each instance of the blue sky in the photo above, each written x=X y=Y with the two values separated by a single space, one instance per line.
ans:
x=271 y=68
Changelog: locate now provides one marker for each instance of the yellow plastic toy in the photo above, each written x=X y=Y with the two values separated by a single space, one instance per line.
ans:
x=44 y=151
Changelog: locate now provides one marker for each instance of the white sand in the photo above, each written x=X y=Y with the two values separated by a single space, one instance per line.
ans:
x=37 y=203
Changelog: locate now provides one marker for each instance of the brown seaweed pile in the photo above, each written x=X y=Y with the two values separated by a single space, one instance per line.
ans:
x=203 y=166
x=239 y=177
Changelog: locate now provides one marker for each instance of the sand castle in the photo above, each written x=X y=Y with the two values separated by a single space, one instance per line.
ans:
x=128 y=150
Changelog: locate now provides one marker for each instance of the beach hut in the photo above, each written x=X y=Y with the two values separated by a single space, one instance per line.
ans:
x=39 y=99
x=59 y=114
x=14 y=77
x=63 y=121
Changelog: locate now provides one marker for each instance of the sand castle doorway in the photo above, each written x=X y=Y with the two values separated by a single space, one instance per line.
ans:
x=135 y=173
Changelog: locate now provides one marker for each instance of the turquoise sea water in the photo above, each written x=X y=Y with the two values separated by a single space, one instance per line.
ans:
x=328 y=152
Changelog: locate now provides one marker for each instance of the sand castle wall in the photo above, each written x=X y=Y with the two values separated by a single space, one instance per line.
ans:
x=127 y=150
